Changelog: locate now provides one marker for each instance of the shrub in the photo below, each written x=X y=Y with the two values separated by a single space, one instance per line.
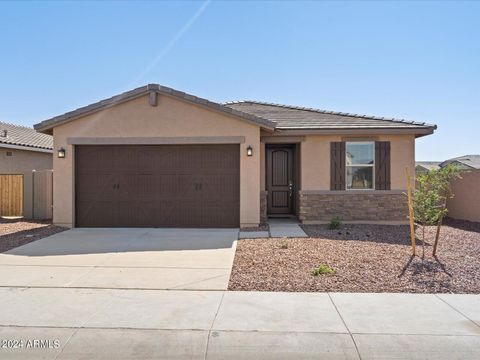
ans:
x=323 y=270
x=430 y=199
x=284 y=243
x=334 y=224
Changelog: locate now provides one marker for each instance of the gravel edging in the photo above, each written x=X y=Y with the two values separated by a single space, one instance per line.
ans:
x=367 y=258
x=14 y=233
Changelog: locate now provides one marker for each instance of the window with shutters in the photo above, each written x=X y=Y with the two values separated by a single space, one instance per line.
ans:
x=360 y=165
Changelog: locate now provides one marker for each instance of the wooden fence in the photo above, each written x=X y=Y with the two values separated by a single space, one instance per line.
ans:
x=11 y=195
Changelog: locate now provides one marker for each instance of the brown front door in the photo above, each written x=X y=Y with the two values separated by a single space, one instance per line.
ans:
x=280 y=179
x=158 y=186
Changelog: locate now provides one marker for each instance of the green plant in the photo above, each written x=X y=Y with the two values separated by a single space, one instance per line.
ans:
x=335 y=223
x=323 y=270
x=284 y=243
x=430 y=198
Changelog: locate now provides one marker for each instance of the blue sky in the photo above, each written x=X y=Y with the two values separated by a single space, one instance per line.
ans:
x=413 y=60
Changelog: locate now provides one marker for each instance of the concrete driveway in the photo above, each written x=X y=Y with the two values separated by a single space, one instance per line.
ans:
x=182 y=259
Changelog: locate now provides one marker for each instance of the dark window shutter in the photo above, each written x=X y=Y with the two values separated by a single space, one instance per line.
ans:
x=337 y=166
x=382 y=165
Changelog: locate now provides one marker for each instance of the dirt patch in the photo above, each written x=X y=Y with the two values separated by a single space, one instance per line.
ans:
x=15 y=233
x=367 y=258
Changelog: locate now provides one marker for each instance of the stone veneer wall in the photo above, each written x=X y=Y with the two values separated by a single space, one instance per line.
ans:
x=323 y=206
x=263 y=207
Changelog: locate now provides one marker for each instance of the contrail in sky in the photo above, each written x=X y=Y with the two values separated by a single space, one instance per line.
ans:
x=173 y=41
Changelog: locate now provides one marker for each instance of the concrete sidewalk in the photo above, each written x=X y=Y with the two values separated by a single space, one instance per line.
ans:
x=278 y=228
x=162 y=324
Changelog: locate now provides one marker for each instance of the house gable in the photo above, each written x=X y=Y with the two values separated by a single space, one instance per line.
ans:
x=137 y=120
x=152 y=92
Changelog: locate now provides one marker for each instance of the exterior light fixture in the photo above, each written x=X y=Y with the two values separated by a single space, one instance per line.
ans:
x=249 y=150
x=61 y=153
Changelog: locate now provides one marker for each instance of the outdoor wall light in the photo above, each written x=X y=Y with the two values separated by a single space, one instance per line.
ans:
x=249 y=150
x=61 y=153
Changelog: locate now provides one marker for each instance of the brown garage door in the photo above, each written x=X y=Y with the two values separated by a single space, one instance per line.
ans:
x=158 y=186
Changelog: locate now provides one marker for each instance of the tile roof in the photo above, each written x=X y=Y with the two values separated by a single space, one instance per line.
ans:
x=472 y=161
x=267 y=115
x=24 y=136
x=428 y=165
x=295 y=117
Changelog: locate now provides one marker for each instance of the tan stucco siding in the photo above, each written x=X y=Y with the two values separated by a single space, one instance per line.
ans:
x=171 y=118
x=315 y=159
x=23 y=162
x=465 y=204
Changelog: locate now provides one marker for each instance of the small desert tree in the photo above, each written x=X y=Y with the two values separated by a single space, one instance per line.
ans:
x=430 y=198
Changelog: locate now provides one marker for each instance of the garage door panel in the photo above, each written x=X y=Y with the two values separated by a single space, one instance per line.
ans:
x=132 y=214
x=214 y=159
x=215 y=212
x=91 y=213
x=168 y=185
x=95 y=158
x=221 y=187
x=164 y=213
x=97 y=183
x=164 y=159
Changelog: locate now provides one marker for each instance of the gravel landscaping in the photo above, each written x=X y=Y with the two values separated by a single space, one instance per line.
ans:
x=18 y=232
x=366 y=258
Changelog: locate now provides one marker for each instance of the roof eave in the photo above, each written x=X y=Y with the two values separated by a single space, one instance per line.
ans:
x=418 y=132
x=25 y=148
x=47 y=126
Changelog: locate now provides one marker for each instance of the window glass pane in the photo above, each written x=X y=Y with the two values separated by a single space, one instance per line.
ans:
x=360 y=177
x=360 y=153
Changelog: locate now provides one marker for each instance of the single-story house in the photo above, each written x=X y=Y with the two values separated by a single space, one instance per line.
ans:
x=424 y=166
x=465 y=205
x=155 y=157
x=25 y=163
x=465 y=162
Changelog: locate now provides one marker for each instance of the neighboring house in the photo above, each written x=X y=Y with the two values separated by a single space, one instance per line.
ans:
x=465 y=205
x=465 y=162
x=424 y=166
x=154 y=156
x=23 y=150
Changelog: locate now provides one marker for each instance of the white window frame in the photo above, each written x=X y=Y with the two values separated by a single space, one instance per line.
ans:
x=360 y=165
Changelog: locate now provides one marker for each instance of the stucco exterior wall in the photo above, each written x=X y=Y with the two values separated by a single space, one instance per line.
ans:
x=315 y=159
x=23 y=162
x=170 y=118
x=42 y=207
x=466 y=203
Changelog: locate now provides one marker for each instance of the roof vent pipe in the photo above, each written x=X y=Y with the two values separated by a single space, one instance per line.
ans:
x=3 y=133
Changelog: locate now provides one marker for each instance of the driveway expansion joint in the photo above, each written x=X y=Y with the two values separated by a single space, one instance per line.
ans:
x=211 y=326
x=458 y=311
x=345 y=324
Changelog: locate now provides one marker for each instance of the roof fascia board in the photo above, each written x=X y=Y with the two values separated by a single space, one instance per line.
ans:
x=370 y=131
x=25 y=148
